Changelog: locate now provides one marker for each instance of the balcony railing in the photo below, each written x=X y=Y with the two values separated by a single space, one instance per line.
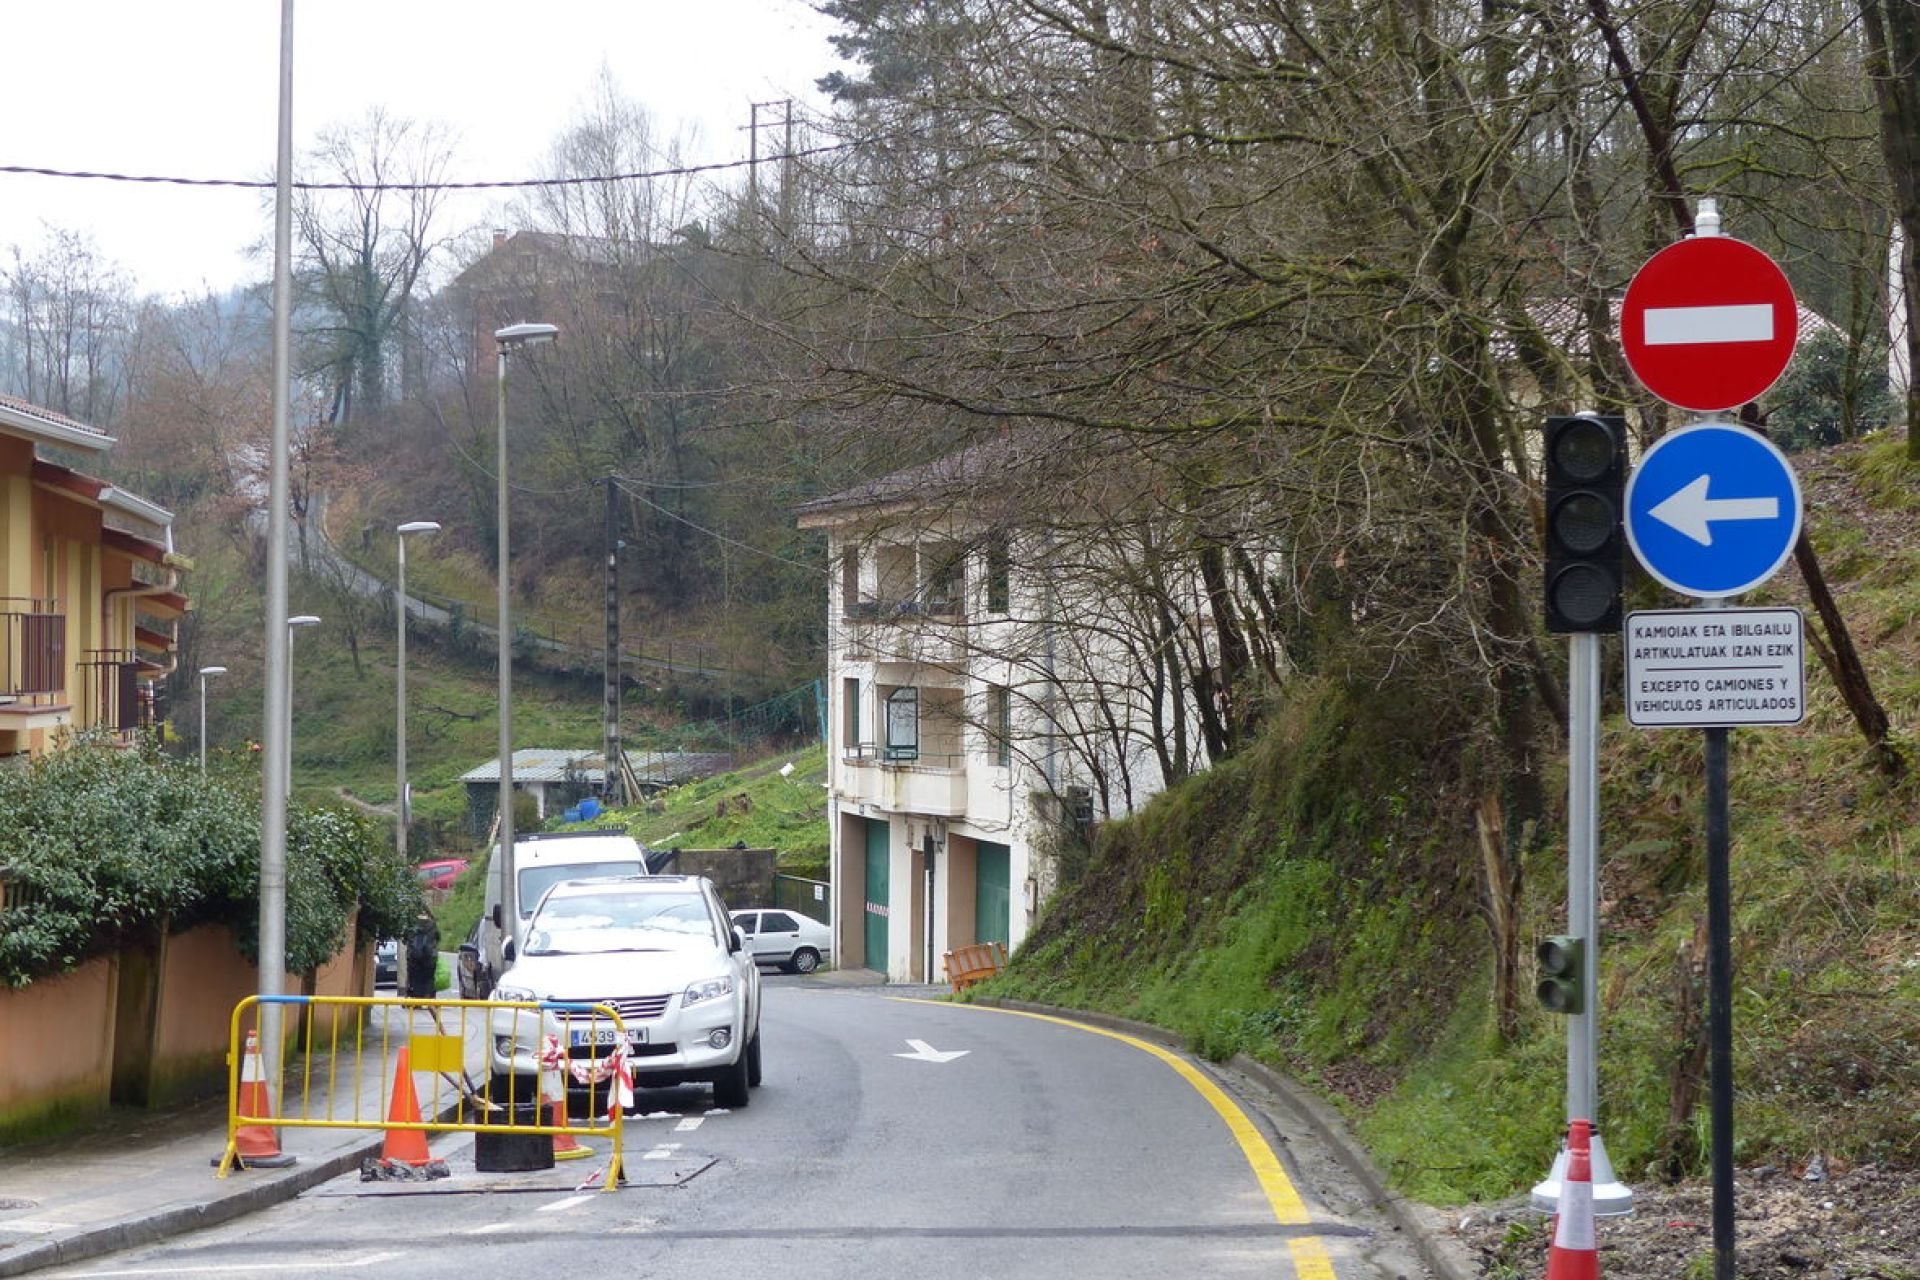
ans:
x=33 y=650
x=112 y=697
x=881 y=753
x=900 y=610
x=933 y=782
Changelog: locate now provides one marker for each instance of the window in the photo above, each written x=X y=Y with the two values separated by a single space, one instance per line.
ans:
x=850 y=726
x=903 y=724
x=849 y=581
x=946 y=581
x=778 y=922
x=999 y=592
x=1000 y=723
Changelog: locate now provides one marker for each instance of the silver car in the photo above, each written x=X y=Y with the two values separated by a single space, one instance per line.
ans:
x=776 y=936
x=659 y=950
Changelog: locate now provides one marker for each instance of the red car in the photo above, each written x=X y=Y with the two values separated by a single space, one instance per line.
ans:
x=441 y=872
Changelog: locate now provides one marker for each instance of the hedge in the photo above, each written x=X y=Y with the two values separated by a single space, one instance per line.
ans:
x=99 y=843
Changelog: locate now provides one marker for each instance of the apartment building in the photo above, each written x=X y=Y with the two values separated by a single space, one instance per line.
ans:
x=981 y=710
x=89 y=587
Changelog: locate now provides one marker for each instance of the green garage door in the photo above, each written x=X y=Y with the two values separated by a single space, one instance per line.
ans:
x=878 y=834
x=992 y=901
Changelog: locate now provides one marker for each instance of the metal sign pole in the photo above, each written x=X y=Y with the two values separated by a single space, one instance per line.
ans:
x=1720 y=998
x=1583 y=732
x=1610 y=1197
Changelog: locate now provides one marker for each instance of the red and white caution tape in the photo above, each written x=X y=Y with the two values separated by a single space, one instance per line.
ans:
x=592 y=1071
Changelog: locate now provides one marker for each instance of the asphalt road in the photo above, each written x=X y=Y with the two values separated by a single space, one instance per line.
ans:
x=1044 y=1150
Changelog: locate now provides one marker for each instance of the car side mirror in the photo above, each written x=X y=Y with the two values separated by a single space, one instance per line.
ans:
x=496 y=915
x=469 y=953
x=734 y=944
x=506 y=950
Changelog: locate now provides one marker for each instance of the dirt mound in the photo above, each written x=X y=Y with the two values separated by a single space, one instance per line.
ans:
x=1806 y=1224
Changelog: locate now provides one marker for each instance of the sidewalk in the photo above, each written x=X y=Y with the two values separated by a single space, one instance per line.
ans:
x=136 y=1176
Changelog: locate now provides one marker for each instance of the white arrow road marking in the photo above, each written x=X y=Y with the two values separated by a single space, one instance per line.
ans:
x=924 y=1052
x=1689 y=510
x=689 y=1124
x=1680 y=326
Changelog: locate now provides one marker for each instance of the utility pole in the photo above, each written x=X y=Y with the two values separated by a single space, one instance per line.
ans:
x=786 y=161
x=753 y=157
x=616 y=780
x=786 y=176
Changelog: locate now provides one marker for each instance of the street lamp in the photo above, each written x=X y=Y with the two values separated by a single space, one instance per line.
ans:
x=512 y=338
x=204 y=673
x=294 y=624
x=400 y=681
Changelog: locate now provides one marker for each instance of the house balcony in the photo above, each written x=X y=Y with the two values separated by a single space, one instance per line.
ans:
x=929 y=632
x=932 y=783
x=33 y=664
x=113 y=697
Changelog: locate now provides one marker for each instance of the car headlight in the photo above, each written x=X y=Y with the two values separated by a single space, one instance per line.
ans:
x=710 y=989
x=515 y=993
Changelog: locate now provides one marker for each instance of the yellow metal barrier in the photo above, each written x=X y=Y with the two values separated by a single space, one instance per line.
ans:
x=344 y=1053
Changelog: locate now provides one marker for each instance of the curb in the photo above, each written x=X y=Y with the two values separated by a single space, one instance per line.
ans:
x=1420 y=1223
x=148 y=1228
x=161 y=1224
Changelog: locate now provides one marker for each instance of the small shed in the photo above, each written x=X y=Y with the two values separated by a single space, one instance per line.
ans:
x=559 y=778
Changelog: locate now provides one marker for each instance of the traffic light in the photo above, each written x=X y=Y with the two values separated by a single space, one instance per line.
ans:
x=1586 y=465
x=1563 y=963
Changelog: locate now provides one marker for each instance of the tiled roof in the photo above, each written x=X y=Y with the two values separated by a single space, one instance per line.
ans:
x=657 y=768
x=26 y=414
x=944 y=474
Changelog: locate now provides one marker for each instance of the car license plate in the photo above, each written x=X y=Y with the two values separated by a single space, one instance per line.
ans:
x=602 y=1036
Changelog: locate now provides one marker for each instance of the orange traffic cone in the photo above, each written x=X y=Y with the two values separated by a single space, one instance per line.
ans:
x=256 y=1146
x=565 y=1145
x=1574 y=1255
x=404 y=1146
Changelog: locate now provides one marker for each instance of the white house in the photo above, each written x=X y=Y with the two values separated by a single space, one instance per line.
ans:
x=982 y=702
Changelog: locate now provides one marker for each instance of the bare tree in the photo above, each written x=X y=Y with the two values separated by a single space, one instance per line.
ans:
x=69 y=313
x=363 y=250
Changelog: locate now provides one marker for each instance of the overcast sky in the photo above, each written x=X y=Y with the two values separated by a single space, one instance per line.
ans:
x=190 y=89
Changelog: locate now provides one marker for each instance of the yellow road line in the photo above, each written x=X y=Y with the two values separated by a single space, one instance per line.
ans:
x=1310 y=1259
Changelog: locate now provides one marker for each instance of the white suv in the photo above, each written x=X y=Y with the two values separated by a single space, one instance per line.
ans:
x=658 y=949
x=540 y=859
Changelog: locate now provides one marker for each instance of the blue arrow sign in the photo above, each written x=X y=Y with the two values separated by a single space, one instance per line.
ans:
x=1713 y=510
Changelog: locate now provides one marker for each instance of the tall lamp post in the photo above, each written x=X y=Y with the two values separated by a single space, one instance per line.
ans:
x=294 y=624
x=401 y=815
x=512 y=338
x=204 y=673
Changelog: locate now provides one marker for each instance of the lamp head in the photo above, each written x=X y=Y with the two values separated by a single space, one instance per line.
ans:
x=303 y=620
x=418 y=526
x=213 y=671
x=526 y=334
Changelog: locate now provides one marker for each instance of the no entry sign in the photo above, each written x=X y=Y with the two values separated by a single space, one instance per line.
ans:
x=1709 y=323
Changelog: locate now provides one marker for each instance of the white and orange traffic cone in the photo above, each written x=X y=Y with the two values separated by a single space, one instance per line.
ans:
x=257 y=1145
x=565 y=1145
x=1575 y=1255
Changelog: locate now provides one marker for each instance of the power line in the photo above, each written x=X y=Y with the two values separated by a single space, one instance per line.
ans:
x=677 y=171
x=625 y=484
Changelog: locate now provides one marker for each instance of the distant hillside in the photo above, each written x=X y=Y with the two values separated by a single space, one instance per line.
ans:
x=1317 y=902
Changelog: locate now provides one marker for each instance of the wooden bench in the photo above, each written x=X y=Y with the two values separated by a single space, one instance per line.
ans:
x=974 y=962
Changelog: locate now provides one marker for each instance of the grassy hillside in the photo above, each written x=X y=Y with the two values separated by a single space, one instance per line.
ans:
x=1316 y=903
x=763 y=808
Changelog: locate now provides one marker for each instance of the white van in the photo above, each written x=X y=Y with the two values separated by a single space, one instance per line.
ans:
x=541 y=860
